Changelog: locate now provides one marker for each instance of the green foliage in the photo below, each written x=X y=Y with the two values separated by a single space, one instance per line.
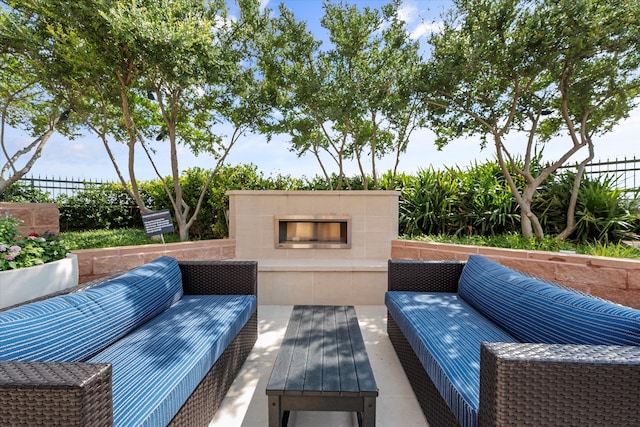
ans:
x=604 y=213
x=541 y=69
x=516 y=241
x=24 y=193
x=130 y=71
x=104 y=206
x=427 y=204
x=485 y=204
x=92 y=239
x=458 y=202
x=477 y=201
x=455 y=202
x=616 y=250
x=17 y=251
x=352 y=99
x=508 y=240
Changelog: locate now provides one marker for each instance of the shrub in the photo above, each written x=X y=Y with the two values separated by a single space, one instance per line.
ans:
x=23 y=193
x=98 y=207
x=17 y=251
x=603 y=212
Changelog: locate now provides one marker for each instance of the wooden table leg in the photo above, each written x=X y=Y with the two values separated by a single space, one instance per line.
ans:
x=275 y=411
x=369 y=413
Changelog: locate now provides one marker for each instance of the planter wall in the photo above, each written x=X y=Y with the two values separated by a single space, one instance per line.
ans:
x=28 y=283
x=37 y=217
x=97 y=263
x=614 y=279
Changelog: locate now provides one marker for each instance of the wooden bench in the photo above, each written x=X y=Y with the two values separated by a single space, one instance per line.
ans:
x=322 y=365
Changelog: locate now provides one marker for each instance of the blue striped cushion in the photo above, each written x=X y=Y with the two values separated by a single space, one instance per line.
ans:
x=445 y=332
x=157 y=367
x=536 y=311
x=74 y=327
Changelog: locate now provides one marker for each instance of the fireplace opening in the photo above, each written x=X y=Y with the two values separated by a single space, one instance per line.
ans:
x=313 y=231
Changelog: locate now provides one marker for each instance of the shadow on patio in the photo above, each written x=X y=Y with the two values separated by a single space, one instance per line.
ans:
x=246 y=402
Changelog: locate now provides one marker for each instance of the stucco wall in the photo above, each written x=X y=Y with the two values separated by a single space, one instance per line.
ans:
x=615 y=279
x=374 y=220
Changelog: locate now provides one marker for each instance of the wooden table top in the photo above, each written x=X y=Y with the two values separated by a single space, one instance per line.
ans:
x=322 y=354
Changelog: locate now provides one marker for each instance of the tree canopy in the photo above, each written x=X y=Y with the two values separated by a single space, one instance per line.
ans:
x=353 y=99
x=549 y=69
x=159 y=74
x=151 y=74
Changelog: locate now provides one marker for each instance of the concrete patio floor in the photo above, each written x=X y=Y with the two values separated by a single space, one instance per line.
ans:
x=246 y=402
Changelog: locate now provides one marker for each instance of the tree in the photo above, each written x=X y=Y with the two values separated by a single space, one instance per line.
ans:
x=543 y=68
x=25 y=104
x=152 y=75
x=350 y=101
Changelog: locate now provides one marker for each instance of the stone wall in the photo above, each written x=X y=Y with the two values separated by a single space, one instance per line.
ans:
x=36 y=217
x=614 y=279
x=96 y=263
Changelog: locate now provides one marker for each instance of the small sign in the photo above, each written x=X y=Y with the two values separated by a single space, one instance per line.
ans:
x=158 y=222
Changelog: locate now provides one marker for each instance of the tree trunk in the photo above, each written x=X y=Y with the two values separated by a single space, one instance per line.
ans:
x=573 y=200
x=39 y=144
x=529 y=223
x=533 y=223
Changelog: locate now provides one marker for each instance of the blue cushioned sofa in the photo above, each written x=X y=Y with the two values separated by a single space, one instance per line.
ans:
x=158 y=345
x=486 y=345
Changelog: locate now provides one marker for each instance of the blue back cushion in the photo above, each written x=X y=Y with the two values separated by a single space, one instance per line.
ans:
x=536 y=311
x=74 y=327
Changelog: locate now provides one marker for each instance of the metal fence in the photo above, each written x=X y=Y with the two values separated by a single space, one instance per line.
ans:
x=58 y=186
x=624 y=174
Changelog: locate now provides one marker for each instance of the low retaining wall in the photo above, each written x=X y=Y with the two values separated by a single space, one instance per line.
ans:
x=614 y=279
x=36 y=217
x=96 y=263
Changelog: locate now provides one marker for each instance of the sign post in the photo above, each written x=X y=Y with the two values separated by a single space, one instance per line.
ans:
x=158 y=222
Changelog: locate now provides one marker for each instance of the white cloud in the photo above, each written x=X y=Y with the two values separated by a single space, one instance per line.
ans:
x=408 y=13
x=426 y=28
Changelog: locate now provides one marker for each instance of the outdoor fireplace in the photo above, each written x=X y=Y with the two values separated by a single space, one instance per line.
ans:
x=313 y=231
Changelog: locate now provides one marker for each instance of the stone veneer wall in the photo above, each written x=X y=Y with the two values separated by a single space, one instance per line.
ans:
x=614 y=279
x=37 y=217
x=96 y=263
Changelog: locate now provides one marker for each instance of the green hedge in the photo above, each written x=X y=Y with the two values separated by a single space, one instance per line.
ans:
x=475 y=201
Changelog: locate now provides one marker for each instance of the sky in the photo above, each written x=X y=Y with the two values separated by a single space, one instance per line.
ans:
x=85 y=157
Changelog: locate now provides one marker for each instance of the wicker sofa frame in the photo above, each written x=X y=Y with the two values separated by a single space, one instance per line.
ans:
x=523 y=384
x=80 y=394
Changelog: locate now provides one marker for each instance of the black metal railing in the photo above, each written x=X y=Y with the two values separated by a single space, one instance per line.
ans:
x=57 y=186
x=623 y=174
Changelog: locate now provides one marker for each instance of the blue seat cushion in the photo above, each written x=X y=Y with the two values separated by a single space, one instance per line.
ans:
x=536 y=311
x=157 y=366
x=445 y=332
x=74 y=327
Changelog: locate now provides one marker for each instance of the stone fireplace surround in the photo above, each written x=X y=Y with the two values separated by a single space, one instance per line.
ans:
x=352 y=276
